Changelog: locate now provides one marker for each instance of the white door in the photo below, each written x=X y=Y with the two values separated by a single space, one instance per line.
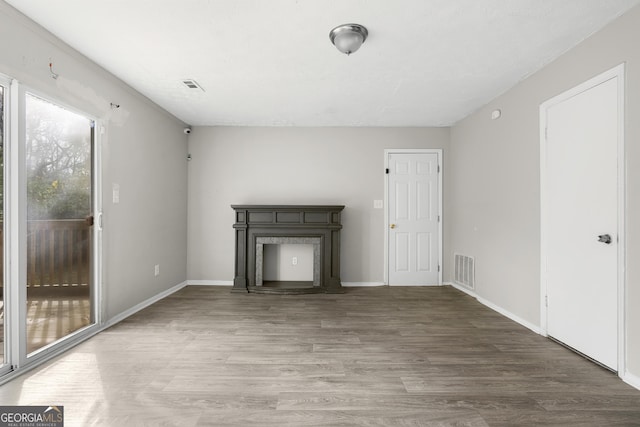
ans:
x=581 y=203
x=413 y=217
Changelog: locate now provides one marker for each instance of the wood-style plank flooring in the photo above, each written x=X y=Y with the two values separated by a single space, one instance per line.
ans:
x=368 y=357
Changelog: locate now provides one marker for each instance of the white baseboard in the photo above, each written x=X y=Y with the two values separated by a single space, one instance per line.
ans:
x=499 y=309
x=210 y=282
x=632 y=380
x=361 y=284
x=144 y=304
x=462 y=289
x=511 y=316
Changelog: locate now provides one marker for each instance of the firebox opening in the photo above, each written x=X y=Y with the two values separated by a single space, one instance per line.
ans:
x=288 y=262
x=284 y=261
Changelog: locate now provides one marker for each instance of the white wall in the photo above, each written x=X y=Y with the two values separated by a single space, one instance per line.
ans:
x=494 y=186
x=144 y=151
x=337 y=166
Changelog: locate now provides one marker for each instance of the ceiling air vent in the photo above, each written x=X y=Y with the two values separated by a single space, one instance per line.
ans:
x=192 y=84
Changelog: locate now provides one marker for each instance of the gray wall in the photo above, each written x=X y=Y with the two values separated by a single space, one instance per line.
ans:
x=144 y=150
x=343 y=166
x=494 y=185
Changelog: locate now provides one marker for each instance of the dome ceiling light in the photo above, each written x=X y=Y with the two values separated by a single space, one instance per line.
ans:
x=348 y=37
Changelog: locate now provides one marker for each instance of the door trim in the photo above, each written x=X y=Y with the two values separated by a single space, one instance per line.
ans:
x=8 y=326
x=388 y=152
x=619 y=73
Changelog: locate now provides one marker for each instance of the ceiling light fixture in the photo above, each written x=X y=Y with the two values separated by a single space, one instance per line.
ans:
x=348 y=37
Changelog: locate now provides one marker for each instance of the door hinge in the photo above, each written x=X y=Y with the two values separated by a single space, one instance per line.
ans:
x=386 y=170
x=438 y=218
x=546 y=301
x=438 y=269
x=438 y=168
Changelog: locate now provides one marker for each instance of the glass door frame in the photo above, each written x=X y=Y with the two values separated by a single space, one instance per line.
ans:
x=6 y=363
x=16 y=226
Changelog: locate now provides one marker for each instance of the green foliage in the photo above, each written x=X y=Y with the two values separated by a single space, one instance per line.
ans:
x=58 y=160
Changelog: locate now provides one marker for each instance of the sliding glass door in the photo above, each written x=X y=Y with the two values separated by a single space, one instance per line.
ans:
x=49 y=245
x=58 y=148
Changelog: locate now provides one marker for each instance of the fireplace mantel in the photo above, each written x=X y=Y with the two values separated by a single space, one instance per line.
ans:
x=255 y=224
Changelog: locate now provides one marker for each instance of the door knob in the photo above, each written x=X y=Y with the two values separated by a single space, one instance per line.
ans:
x=604 y=238
x=392 y=226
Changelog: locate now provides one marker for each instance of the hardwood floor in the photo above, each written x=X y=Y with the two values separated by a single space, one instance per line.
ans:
x=369 y=357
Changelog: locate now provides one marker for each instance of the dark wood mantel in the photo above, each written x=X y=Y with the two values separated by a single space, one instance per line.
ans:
x=281 y=221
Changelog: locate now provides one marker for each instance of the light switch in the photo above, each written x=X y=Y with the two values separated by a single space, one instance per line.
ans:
x=116 y=193
x=378 y=204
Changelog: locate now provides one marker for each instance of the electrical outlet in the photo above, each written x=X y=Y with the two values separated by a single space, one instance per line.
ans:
x=156 y=270
x=294 y=260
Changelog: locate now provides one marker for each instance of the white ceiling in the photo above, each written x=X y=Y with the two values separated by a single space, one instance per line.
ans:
x=270 y=62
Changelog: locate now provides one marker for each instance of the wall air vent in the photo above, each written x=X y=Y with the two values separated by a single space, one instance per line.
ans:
x=192 y=84
x=464 y=271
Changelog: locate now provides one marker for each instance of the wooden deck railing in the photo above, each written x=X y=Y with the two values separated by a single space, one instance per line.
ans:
x=57 y=252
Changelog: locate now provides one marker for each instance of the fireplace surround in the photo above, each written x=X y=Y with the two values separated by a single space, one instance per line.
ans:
x=257 y=225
